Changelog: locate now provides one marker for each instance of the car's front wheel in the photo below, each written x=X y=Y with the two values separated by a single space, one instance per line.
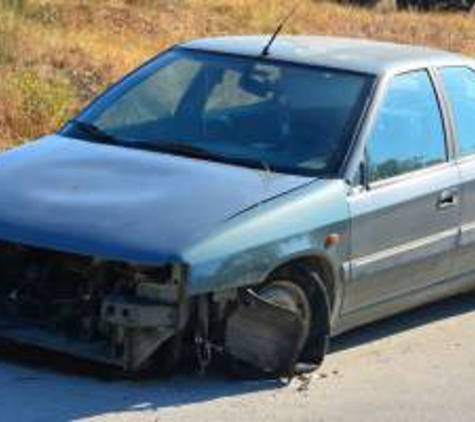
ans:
x=283 y=326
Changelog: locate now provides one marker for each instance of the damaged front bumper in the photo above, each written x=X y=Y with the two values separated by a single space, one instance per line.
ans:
x=115 y=313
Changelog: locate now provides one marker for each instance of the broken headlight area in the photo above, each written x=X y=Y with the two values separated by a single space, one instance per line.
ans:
x=118 y=313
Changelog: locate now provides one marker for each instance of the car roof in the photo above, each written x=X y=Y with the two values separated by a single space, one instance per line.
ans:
x=354 y=54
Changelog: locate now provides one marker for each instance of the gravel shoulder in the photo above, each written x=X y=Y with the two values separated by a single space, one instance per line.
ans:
x=418 y=366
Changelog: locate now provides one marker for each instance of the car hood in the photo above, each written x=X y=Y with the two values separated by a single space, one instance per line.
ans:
x=121 y=203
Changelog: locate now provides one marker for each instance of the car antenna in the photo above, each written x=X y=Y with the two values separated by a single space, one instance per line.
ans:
x=265 y=50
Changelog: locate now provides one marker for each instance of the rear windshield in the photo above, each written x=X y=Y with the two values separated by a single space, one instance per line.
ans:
x=239 y=110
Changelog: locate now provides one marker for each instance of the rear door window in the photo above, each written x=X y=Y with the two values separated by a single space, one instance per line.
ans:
x=459 y=84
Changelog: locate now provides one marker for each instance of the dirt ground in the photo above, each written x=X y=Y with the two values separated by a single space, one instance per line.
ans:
x=419 y=366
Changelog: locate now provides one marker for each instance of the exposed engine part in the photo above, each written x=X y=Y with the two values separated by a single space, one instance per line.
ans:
x=120 y=312
x=149 y=320
x=137 y=313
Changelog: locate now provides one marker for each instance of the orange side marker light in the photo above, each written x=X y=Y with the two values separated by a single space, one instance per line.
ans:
x=332 y=240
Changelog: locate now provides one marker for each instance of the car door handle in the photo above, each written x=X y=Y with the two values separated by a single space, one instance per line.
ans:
x=447 y=198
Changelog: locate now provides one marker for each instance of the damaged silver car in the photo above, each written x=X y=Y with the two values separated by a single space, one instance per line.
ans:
x=223 y=203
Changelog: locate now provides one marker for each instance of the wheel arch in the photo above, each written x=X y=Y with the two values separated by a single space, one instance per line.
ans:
x=326 y=271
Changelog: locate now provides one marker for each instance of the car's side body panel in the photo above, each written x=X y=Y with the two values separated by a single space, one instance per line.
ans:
x=405 y=251
x=443 y=289
x=401 y=239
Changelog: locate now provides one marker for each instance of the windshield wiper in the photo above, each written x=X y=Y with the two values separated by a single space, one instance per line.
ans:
x=149 y=145
x=198 y=152
x=158 y=145
x=95 y=132
x=176 y=148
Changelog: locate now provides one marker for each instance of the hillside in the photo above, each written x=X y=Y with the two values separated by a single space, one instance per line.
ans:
x=56 y=55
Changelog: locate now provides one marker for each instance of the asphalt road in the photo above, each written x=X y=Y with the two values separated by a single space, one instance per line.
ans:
x=419 y=366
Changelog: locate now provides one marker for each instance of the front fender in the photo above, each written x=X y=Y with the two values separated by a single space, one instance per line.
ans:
x=248 y=247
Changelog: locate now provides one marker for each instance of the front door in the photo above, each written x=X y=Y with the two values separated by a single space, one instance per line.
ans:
x=405 y=220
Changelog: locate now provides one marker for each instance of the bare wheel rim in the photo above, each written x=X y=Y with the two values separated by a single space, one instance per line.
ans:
x=291 y=296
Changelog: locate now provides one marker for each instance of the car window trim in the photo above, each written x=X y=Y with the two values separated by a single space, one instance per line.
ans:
x=401 y=178
x=446 y=117
x=354 y=146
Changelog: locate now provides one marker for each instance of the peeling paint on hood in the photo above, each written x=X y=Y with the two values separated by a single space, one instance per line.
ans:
x=121 y=203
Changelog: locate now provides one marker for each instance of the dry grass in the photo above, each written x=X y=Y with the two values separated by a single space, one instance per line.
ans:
x=56 y=55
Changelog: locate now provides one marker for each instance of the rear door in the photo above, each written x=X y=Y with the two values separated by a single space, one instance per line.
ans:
x=405 y=220
x=459 y=84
